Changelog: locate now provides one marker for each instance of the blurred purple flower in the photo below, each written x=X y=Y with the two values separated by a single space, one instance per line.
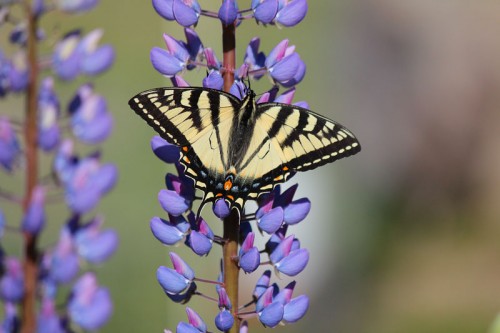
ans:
x=11 y=322
x=66 y=56
x=34 y=218
x=48 y=321
x=61 y=263
x=2 y=224
x=88 y=182
x=90 y=119
x=94 y=244
x=12 y=281
x=9 y=145
x=95 y=59
x=18 y=75
x=90 y=306
x=75 y=6
x=48 y=113
x=64 y=161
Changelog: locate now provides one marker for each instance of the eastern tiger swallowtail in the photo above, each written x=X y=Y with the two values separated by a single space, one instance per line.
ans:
x=237 y=149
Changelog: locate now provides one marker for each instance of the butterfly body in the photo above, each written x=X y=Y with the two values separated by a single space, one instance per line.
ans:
x=237 y=149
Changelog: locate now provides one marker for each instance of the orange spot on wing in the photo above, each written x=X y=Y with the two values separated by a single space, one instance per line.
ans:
x=186 y=160
x=228 y=184
x=230 y=197
x=285 y=168
x=218 y=195
x=185 y=148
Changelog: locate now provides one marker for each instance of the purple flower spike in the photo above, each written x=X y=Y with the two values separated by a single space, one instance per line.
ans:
x=262 y=284
x=292 y=13
x=48 y=321
x=195 y=320
x=165 y=232
x=95 y=245
x=224 y=320
x=271 y=221
x=171 y=281
x=12 y=281
x=296 y=309
x=66 y=57
x=294 y=263
x=9 y=146
x=297 y=211
x=166 y=63
x=165 y=151
x=164 y=8
x=172 y=202
x=186 y=12
x=272 y=314
x=75 y=6
x=34 y=219
x=221 y=208
x=214 y=80
x=266 y=11
x=48 y=113
x=228 y=12
x=90 y=306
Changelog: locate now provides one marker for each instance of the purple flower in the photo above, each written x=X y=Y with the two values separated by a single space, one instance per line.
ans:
x=64 y=161
x=186 y=12
x=270 y=312
x=288 y=261
x=9 y=146
x=212 y=61
x=164 y=8
x=174 y=281
x=12 y=281
x=48 y=113
x=88 y=182
x=255 y=59
x=66 y=56
x=2 y=223
x=48 y=321
x=167 y=232
x=270 y=221
x=62 y=263
x=95 y=59
x=172 y=202
x=93 y=244
x=291 y=12
x=165 y=151
x=284 y=65
x=34 y=218
x=249 y=256
x=195 y=325
x=214 y=80
x=201 y=238
x=11 y=323
x=90 y=120
x=224 y=320
x=75 y=6
x=265 y=10
x=90 y=305
x=18 y=75
x=221 y=208
x=228 y=12
x=262 y=284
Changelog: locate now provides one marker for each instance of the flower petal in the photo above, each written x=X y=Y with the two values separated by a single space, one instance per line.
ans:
x=272 y=314
x=296 y=309
x=294 y=263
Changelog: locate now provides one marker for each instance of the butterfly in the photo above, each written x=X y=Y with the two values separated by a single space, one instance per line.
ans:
x=237 y=149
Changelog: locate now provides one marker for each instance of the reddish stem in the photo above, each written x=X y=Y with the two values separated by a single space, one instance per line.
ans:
x=28 y=324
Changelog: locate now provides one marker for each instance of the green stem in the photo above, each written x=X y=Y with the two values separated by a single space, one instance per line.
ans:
x=28 y=323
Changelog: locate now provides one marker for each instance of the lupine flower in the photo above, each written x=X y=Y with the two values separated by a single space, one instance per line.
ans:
x=93 y=244
x=213 y=80
x=284 y=65
x=270 y=312
x=265 y=10
x=12 y=281
x=90 y=305
x=249 y=254
x=287 y=261
x=165 y=151
x=90 y=120
x=64 y=161
x=174 y=281
x=200 y=239
x=224 y=319
x=95 y=59
x=66 y=58
x=18 y=75
x=221 y=208
x=253 y=58
x=62 y=263
x=34 y=218
x=88 y=182
x=228 y=12
x=48 y=113
x=172 y=202
x=9 y=145
x=11 y=322
x=186 y=12
x=195 y=325
x=48 y=321
x=2 y=223
x=262 y=284
x=169 y=233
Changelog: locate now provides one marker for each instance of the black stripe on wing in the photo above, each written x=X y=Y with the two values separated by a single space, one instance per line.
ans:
x=311 y=141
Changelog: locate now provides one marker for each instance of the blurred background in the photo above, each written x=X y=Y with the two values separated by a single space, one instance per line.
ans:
x=403 y=237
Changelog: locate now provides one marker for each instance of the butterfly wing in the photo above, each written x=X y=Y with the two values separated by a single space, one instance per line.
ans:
x=289 y=138
x=196 y=119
